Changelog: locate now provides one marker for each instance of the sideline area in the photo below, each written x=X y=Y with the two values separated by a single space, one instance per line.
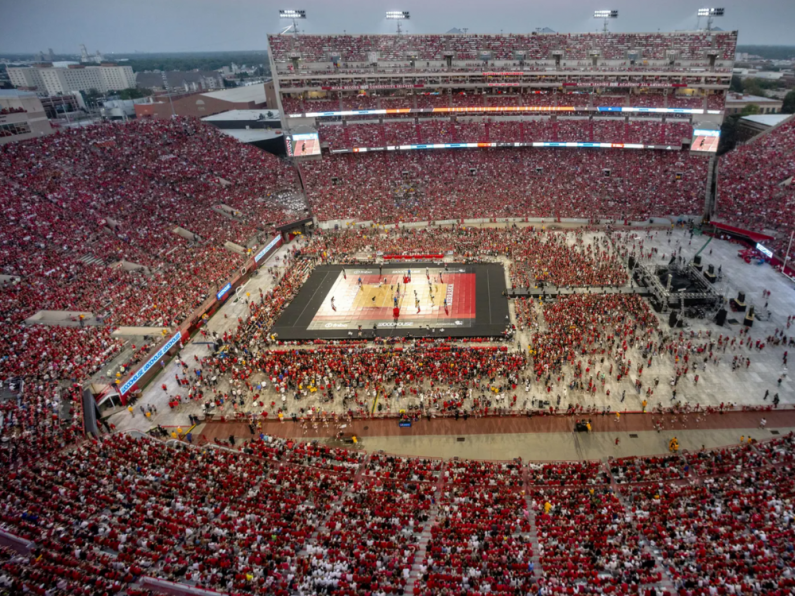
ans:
x=540 y=438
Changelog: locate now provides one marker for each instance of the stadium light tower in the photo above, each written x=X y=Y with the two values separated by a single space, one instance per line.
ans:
x=292 y=15
x=398 y=15
x=606 y=15
x=710 y=13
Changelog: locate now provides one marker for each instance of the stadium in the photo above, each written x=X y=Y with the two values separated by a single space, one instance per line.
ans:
x=500 y=322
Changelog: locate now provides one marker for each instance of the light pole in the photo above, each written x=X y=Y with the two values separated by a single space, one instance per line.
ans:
x=710 y=13
x=398 y=15
x=606 y=15
x=292 y=15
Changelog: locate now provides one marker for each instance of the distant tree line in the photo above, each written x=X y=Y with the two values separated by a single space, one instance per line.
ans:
x=194 y=60
x=769 y=52
x=173 y=60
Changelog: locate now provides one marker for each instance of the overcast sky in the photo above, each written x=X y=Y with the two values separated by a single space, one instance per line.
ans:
x=216 y=25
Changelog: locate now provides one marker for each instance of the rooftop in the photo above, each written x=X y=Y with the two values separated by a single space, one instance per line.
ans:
x=255 y=93
x=15 y=93
x=732 y=98
x=766 y=119
x=254 y=135
x=243 y=115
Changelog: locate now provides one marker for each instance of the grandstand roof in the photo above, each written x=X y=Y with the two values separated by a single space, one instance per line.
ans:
x=766 y=119
x=243 y=115
x=255 y=93
x=246 y=135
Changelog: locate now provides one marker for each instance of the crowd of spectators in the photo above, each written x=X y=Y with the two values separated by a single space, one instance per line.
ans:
x=243 y=520
x=497 y=130
x=728 y=534
x=480 y=541
x=588 y=540
x=575 y=46
x=547 y=183
x=754 y=190
x=89 y=219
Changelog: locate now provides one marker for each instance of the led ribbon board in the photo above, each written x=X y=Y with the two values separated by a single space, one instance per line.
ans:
x=267 y=247
x=573 y=145
x=151 y=362
x=505 y=109
x=764 y=250
x=223 y=291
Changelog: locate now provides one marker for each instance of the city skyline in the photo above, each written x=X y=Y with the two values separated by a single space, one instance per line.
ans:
x=125 y=26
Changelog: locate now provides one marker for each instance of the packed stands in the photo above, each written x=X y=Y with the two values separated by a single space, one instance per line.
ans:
x=481 y=536
x=716 y=101
x=648 y=100
x=689 y=46
x=400 y=133
x=609 y=131
x=434 y=131
x=571 y=129
x=470 y=132
x=366 y=135
x=76 y=206
x=754 y=191
x=504 y=130
x=676 y=101
x=310 y=519
x=334 y=134
x=531 y=182
x=676 y=132
x=645 y=132
x=588 y=539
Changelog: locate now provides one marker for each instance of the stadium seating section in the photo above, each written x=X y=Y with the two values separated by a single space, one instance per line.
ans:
x=611 y=46
x=79 y=205
x=452 y=184
x=271 y=517
x=755 y=190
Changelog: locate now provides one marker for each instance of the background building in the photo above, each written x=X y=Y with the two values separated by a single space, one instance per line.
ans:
x=735 y=104
x=195 y=80
x=120 y=109
x=56 y=106
x=46 y=78
x=22 y=116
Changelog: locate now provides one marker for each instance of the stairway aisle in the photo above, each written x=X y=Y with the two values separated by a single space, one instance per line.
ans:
x=538 y=569
x=425 y=536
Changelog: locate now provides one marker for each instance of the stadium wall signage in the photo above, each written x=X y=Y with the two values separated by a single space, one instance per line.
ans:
x=150 y=363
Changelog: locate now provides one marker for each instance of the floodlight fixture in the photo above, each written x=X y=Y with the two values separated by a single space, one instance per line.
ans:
x=398 y=15
x=606 y=15
x=292 y=14
x=710 y=13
